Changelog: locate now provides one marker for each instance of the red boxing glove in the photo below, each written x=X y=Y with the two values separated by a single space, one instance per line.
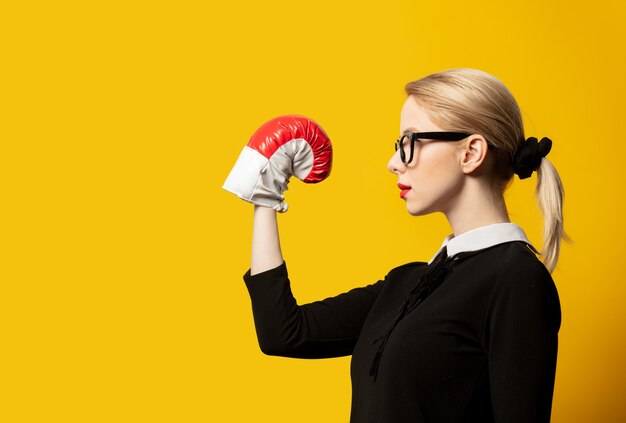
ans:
x=283 y=146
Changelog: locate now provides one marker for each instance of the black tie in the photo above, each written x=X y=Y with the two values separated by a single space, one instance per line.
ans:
x=443 y=254
x=430 y=280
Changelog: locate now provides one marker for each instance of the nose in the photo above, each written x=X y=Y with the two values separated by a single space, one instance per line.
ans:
x=395 y=164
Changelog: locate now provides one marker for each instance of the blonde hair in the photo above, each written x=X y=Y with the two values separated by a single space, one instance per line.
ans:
x=473 y=101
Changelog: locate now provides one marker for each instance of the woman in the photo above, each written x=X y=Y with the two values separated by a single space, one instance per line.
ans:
x=471 y=335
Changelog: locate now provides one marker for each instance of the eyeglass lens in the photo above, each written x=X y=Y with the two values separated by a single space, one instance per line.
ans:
x=406 y=148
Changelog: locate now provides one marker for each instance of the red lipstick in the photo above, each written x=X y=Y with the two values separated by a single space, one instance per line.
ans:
x=405 y=190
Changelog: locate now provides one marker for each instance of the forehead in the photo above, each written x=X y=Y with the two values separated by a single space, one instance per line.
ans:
x=414 y=117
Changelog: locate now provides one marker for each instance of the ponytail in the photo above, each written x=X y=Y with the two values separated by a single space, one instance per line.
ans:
x=550 y=194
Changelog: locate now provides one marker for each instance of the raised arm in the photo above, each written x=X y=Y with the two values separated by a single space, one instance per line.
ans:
x=282 y=147
x=321 y=329
x=266 y=252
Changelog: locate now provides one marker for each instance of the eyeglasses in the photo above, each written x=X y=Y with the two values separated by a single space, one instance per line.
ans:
x=410 y=138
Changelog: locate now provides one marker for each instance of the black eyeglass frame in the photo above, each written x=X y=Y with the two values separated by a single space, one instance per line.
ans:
x=415 y=136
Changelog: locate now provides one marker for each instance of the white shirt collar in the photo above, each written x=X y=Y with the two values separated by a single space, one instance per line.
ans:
x=483 y=237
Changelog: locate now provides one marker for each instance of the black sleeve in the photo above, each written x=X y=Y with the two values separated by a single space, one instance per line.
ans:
x=321 y=329
x=521 y=337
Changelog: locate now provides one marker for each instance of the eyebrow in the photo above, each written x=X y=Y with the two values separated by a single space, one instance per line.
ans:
x=410 y=129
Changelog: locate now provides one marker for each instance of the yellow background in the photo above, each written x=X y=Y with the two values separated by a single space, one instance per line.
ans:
x=122 y=296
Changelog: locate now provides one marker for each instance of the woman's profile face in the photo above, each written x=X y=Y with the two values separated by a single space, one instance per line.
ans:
x=434 y=175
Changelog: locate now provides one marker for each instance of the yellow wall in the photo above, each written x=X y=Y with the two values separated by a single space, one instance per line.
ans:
x=122 y=294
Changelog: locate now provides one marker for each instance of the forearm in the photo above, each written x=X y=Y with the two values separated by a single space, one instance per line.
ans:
x=266 y=252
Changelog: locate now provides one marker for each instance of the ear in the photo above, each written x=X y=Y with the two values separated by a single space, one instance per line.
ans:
x=473 y=153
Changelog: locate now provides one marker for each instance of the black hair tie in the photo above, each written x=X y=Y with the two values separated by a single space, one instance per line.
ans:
x=528 y=156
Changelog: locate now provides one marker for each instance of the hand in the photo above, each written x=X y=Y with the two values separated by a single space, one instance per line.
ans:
x=284 y=146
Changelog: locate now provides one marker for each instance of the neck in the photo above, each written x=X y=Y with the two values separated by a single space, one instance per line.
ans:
x=474 y=207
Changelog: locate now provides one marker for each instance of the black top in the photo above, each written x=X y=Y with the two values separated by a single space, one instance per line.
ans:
x=482 y=347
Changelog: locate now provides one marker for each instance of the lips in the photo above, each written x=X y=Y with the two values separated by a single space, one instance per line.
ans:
x=405 y=190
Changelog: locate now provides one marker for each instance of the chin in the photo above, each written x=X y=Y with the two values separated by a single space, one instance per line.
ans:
x=418 y=211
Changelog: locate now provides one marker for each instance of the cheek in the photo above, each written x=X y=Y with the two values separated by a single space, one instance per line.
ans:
x=429 y=169
x=430 y=177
